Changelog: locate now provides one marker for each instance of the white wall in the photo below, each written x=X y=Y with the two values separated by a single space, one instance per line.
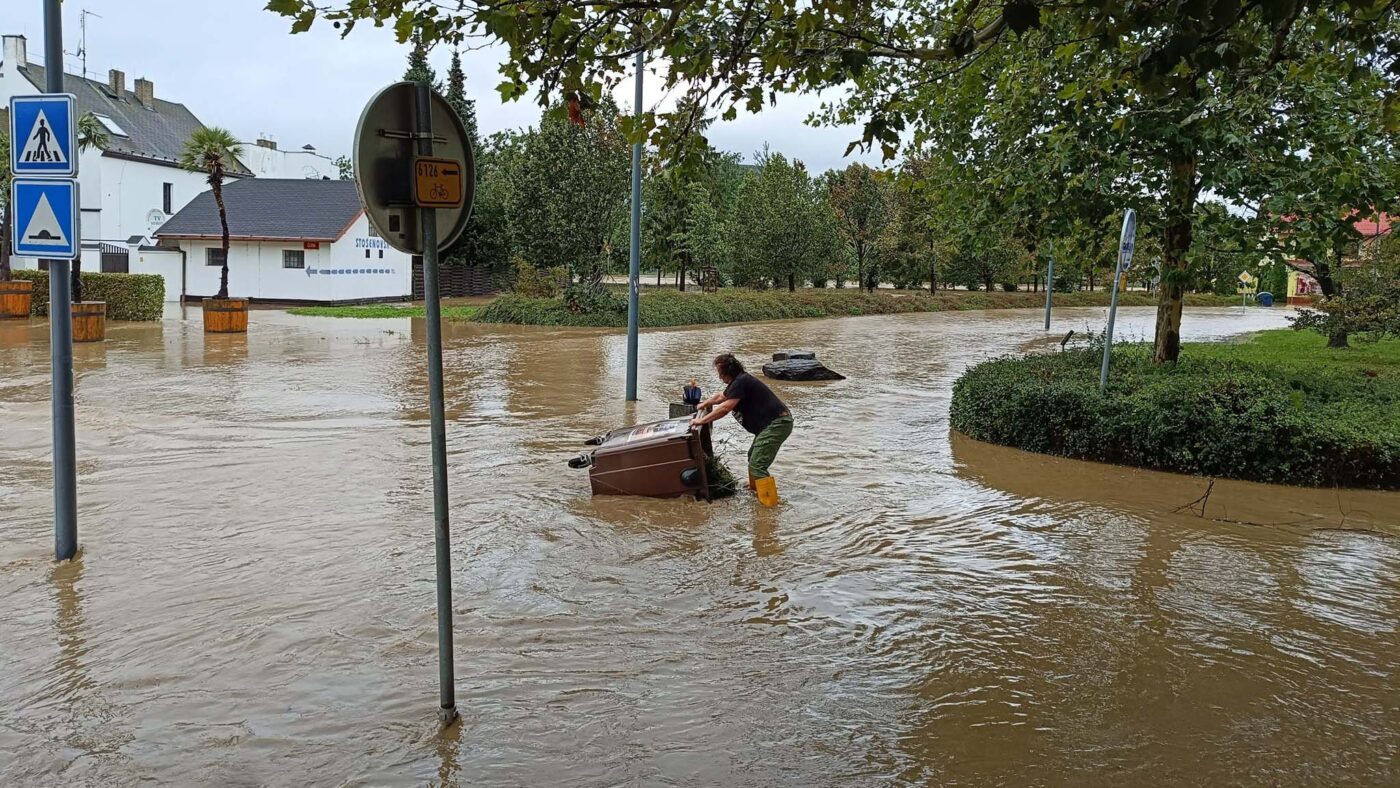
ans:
x=129 y=192
x=335 y=272
x=166 y=263
x=296 y=164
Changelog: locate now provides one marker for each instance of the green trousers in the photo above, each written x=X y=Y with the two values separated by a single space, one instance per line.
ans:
x=766 y=444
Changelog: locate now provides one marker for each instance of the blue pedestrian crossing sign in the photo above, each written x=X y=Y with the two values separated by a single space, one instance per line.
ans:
x=44 y=135
x=46 y=218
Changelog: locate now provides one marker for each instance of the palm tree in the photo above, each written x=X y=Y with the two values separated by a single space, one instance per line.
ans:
x=91 y=136
x=213 y=150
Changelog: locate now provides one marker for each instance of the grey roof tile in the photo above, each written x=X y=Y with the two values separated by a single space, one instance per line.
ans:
x=156 y=135
x=312 y=210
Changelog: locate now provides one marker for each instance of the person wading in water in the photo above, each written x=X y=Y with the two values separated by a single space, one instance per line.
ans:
x=760 y=411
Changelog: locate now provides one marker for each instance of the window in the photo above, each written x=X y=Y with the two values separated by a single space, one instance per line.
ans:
x=293 y=258
x=372 y=233
x=214 y=257
x=381 y=254
x=366 y=254
x=167 y=198
x=112 y=127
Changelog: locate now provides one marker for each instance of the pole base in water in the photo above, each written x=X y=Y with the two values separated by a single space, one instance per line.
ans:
x=447 y=715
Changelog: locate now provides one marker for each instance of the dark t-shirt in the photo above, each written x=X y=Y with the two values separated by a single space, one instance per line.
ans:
x=758 y=405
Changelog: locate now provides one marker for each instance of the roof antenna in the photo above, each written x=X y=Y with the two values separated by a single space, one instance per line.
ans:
x=82 y=40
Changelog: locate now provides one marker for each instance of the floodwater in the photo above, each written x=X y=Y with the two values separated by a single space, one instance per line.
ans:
x=254 y=600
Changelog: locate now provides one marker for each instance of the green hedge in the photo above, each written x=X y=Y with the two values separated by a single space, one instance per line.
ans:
x=664 y=308
x=128 y=296
x=1278 y=409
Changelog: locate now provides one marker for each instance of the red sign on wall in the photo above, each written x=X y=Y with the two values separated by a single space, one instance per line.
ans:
x=311 y=244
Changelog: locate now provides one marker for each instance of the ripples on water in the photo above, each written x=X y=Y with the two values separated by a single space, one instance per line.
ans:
x=254 y=604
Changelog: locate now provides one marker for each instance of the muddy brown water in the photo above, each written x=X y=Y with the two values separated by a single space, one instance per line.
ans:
x=254 y=600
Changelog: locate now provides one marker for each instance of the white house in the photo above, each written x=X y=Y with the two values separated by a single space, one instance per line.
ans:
x=291 y=240
x=134 y=185
x=265 y=160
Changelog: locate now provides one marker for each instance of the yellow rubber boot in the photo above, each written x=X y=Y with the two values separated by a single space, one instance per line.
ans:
x=767 y=489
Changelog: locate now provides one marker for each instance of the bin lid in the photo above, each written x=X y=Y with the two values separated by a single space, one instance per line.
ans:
x=642 y=434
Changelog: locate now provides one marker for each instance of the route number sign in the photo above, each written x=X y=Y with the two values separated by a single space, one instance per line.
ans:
x=437 y=182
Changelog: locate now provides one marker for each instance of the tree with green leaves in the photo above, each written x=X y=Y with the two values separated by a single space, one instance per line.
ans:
x=566 y=186
x=213 y=151
x=1348 y=172
x=473 y=247
x=1371 y=304
x=91 y=136
x=777 y=235
x=703 y=239
x=457 y=98
x=345 y=167
x=861 y=202
x=419 y=69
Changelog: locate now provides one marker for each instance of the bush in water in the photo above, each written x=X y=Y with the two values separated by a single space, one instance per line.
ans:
x=1273 y=410
x=128 y=296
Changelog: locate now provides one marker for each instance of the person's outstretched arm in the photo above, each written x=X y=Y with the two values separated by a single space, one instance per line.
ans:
x=716 y=413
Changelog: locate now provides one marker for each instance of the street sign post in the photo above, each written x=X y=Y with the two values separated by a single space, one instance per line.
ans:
x=44 y=146
x=415 y=173
x=634 y=252
x=46 y=218
x=43 y=136
x=1246 y=280
x=1049 y=290
x=1126 y=240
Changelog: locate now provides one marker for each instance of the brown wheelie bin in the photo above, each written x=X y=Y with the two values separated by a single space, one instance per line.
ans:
x=663 y=459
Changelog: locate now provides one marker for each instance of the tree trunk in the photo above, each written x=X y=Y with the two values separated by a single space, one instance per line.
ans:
x=792 y=283
x=682 y=280
x=932 y=278
x=1331 y=288
x=217 y=181
x=5 y=241
x=658 y=276
x=1181 y=204
x=77 y=289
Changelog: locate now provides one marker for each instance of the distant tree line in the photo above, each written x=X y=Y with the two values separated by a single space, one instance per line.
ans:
x=1007 y=188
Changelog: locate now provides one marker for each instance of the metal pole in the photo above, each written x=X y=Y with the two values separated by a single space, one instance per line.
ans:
x=427 y=218
x=65 y=482
x=1108 y=333
x=634 y=268
x=1049 y=289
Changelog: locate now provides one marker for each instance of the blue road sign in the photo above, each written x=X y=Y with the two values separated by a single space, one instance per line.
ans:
x=1126 y=240
x=46 y=218
x=43 y=135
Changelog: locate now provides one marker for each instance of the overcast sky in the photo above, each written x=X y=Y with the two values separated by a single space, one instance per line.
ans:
x=235 y=65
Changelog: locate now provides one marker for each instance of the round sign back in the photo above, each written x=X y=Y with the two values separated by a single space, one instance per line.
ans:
x=384 y=155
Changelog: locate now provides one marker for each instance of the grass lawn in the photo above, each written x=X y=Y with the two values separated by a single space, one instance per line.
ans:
x=1286 y=350
x=668 y=308
x=382 y=311
x=1279 y=406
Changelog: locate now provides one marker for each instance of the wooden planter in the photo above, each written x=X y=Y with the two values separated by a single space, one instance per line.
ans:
x=89 y=321
x=225 y=315
x=16 y=296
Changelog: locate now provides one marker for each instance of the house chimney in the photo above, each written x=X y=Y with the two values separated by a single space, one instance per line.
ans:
x=266 y=143
x=116 y=81
x=16 y=54
x=145 y=93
